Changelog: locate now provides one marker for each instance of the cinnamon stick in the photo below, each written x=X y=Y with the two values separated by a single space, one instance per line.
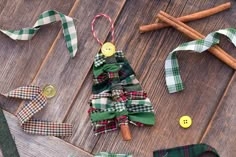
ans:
x=125 y=132
x=215 y=50
x=187 y=18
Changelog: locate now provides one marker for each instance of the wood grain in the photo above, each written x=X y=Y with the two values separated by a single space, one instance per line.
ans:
x=204 y=76
x=20 y=60
x=44 y=60
x=40 y=146
x=221 y=131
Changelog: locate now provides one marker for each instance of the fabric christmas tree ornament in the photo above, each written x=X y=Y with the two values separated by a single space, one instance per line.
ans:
x=45 y=18
x=196 y=150
x=118 y=98
x=35 y=102
x=172 y=75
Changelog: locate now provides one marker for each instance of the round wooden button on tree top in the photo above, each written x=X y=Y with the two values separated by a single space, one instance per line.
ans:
x=108 y=49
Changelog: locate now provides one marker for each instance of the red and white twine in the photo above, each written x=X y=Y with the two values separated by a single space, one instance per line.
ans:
x=112 y=27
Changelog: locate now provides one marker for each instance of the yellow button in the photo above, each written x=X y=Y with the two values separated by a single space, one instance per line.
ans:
x=185 y=122
x=108 y=49
x=49 y=91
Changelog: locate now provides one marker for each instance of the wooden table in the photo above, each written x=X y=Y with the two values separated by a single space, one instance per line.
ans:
x=209 y=97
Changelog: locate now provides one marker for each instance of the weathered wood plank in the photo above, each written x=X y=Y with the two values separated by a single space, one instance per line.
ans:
x=204 y=76
x=67 y=74
x=222 y=129
x=20 y=60
x=84 y=137
x=40 y=146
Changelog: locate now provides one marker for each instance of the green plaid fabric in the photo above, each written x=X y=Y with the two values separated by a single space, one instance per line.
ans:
x=99 y=59
x=173 y=79
x=105 y=154
x=117 y=95
x=7 y=143
x=186 y=151
x=45 y=18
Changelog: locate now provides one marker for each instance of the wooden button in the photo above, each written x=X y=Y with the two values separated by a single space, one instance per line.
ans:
x=108 y=49
x=49 y=91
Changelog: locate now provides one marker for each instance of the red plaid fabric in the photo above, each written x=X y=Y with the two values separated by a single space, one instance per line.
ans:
x=136 y=95
x=105 y=126
x=103 y=77
x=112 y=75
x=102 y=95
x=100 y=78
x=36 y=103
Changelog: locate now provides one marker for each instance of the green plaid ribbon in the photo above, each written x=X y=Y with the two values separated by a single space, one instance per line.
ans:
x=173 y=79
x=186 y=151
x=99 y=59
x=45 y=18
x=106 y=154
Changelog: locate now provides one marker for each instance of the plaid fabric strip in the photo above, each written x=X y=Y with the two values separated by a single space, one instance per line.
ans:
x=186 y=151
x=47 y=128
x=173 y=79
x=34 y=106
x=106 y=154
x=112 y=75
x=99 y=59
x=105 y=126
x=45 y=18
x=102 y=103
x=130 y=80
x=134 y=95
x=36 y=102
x=139 y=105
x=27 y=92
x=133 y=101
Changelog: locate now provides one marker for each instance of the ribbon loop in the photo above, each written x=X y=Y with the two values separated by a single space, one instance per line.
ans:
x=45 y=18
x=112 y=27
x=172 y=75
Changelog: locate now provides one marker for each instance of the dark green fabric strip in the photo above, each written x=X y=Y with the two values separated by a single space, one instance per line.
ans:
x=106 y=85
x=105 y=68
x=7 y=143
x=98 y=116
x=147 y=118
x=186 y=151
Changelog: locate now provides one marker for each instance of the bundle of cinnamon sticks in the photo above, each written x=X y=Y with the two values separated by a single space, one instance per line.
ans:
x=178 y=24
x=187 y=18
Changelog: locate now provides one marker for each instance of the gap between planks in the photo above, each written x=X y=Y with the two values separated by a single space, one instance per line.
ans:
x=217 y=108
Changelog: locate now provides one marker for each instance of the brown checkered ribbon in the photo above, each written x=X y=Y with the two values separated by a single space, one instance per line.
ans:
x=36 y=102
